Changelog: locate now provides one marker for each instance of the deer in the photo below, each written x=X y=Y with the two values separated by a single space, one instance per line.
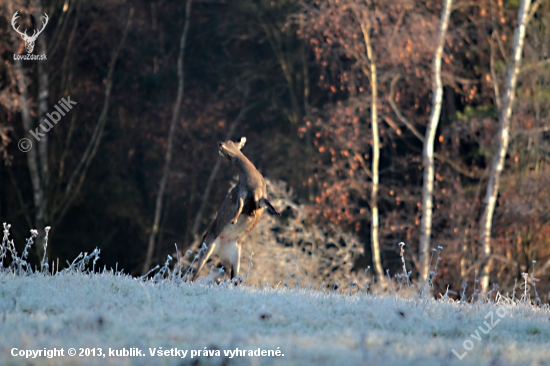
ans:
x=239 y=213
x=29 y=40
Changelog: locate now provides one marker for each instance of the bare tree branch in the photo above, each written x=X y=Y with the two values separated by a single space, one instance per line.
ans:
x=454 y=78
x=532 y=132
x=535 y=65
x=65 y=65
x=57 y=38
x=533 y=10
x=170 y=146
x=398 y=112
x=418 y=135
x=79 y=174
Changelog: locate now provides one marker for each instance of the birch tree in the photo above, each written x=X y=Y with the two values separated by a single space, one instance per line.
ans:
x=375 y=242
x=50 y=209
x=428 y=148
x=503 y=138
x=39 y=195
x=357 y=44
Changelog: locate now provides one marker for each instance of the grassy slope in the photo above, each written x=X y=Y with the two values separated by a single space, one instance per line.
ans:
x=78 y=310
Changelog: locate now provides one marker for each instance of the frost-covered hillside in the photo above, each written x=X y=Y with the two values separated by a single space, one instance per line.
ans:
x=107 y=311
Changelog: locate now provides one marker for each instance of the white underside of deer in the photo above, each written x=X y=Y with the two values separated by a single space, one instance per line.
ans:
x=227 y=245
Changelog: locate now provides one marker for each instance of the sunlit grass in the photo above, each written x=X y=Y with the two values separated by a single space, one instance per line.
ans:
x=105 y=309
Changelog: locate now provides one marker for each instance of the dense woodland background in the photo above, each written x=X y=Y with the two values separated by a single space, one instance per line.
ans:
x=294 y=78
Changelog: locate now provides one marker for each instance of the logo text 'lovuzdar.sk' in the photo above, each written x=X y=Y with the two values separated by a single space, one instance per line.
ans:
x=29 y=40
x=62 y=107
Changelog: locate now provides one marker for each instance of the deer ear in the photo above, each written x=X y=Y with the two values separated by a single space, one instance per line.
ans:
x=242 y=142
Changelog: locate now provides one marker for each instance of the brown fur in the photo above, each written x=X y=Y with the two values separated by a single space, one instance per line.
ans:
x=238 y=214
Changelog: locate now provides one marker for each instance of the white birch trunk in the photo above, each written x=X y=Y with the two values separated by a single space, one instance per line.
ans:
x=428 y=150
x=32 y=156
x=375 y=243
x=503 y=137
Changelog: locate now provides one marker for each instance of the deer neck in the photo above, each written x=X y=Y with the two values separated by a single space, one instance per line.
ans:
x=245 y=167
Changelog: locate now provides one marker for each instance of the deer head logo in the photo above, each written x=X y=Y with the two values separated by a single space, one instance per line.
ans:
x=29 y=40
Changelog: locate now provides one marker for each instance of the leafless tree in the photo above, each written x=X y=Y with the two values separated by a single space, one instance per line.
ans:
x=503 y=138
x=39 y=194
x=428 y=149
x=170 y=144
x=373 y=78
x=51 y=211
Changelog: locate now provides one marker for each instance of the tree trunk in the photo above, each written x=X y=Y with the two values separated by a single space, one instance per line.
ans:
x=503 y=137
x=428 y=149
x=32 y=158
x=375 y=244
x=43 y=143
x=78 y=176
x=170 y=145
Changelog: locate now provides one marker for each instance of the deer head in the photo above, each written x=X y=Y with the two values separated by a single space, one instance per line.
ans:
x=29 y=40
x=231 y=149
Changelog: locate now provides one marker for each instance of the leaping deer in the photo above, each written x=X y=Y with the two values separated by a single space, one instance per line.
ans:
x=29 y=40
x=238 y=214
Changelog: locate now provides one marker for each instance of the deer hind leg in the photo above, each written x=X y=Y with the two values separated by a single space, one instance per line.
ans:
x=257 y=203
x=204 y=254
x=239 y=210
x=231 y=253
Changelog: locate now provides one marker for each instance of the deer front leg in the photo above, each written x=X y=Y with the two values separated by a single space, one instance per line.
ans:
x=204 y=253
x=239 y=210
x=265 y=203
x=235 y=261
